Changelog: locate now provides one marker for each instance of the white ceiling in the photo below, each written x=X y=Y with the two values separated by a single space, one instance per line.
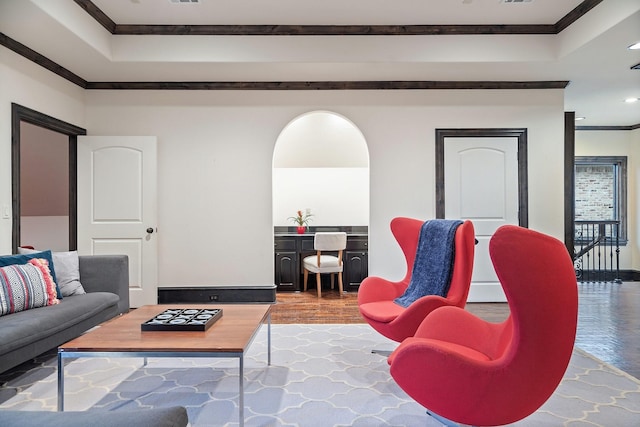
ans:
x=338 y=12
x=591 y=53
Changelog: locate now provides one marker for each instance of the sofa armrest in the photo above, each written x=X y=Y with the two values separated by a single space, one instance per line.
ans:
x=106 y=273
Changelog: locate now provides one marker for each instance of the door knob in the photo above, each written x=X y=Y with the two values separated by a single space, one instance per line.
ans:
x=149 y=230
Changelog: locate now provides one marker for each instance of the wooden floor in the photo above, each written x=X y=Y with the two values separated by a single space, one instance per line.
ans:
x=608 y=322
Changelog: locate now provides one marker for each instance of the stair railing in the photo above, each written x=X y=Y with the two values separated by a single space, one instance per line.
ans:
x=597 y=251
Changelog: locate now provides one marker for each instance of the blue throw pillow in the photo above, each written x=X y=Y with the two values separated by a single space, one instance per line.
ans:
x=24 y=258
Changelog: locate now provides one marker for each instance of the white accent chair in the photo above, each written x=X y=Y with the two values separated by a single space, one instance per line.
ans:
x=319 y=263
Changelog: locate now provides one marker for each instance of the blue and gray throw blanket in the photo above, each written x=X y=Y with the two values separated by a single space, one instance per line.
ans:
x=433 y=265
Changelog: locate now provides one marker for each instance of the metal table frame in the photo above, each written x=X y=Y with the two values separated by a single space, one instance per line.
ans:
x=146 y=354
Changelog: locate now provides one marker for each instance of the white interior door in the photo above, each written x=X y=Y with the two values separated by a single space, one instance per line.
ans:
x=481 y=184
x=117 y=206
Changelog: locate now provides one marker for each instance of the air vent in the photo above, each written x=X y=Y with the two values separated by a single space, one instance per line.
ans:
x=183 y=1
x=516 y=1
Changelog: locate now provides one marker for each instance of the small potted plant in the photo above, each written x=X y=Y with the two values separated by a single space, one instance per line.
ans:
x=301 y=220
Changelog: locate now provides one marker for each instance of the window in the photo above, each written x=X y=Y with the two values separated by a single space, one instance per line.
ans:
x=601 y=192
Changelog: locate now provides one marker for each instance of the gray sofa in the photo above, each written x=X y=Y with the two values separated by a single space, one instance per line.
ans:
x=26 y=334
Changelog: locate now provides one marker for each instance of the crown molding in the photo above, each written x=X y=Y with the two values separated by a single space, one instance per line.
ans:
x=41 y=60
x=332 y=30
x=630 y=127
x=328 y=85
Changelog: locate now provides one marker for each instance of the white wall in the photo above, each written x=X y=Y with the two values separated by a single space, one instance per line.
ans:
x=620 y=143
x=29 y=85
x=215 y=151
x=335 y=196
x=215 y=154
x=45 y=232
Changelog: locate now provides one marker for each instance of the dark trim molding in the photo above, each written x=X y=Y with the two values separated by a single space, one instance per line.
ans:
x=266 y=85
x=629 y=275
x=326 y=85
x=96 y=13
x=19 y=114
x=329 y=30
x=217 y=294
x=523 y=185
x=575 y=14
x=41 y=60
x=569 y=181
x=332 y=30
x=631 y=127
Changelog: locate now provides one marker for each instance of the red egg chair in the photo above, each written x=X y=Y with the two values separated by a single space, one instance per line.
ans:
x=376 y=295
x=474 y=372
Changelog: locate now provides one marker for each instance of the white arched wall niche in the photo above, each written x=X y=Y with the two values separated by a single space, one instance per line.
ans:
x=321 y=164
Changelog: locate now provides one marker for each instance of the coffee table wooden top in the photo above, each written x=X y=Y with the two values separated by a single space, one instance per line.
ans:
x=232 y=333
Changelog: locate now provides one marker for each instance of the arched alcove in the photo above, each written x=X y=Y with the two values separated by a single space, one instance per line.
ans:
x=321 y=163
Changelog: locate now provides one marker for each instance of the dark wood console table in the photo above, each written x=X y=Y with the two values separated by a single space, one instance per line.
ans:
x=290 y=248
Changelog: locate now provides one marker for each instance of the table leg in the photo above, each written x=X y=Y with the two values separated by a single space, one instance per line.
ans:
x=269 y=339
x=241 y=394
x=60 y=383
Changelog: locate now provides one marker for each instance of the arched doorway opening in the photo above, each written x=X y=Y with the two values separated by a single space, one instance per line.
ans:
x=320 y=167
x=321 y=163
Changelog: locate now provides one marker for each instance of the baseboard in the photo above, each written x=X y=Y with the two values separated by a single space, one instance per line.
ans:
x=623 y=275
x=629 y=275
x=218 y=294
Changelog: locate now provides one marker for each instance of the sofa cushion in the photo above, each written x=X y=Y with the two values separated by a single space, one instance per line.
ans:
x=24 y=258
x=175 y=416
x=26 y=286
x=66 y=266
x=21 y=329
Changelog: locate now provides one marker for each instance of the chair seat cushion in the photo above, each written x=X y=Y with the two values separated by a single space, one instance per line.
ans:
x=381 y=311
x=328 y=264
x=461 y=351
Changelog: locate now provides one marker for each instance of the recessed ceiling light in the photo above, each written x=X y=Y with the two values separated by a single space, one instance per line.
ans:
x=579 y=118
x=635 y=46
x=631 y=100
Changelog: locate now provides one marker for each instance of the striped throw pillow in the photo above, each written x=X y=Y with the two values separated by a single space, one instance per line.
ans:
x=25 y=286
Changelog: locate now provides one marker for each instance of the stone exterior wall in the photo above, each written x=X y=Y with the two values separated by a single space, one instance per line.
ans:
x=595 y=188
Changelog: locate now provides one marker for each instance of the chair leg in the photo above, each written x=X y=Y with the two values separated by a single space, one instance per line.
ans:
x=305 y=277
x=385 y=353
x=333 y=276
x=340 y=283
x=444 y=421
x=319 y=284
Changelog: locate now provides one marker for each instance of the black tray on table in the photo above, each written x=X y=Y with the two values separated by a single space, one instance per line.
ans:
x=183 y=319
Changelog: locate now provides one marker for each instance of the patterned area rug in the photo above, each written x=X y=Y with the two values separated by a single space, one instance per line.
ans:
x=321 y=375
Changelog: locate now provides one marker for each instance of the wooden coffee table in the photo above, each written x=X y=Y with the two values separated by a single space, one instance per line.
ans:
x=229 y=336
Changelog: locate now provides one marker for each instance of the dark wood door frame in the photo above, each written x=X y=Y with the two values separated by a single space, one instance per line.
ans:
x=19 y=114
x=569 y=180
x=523 y=185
